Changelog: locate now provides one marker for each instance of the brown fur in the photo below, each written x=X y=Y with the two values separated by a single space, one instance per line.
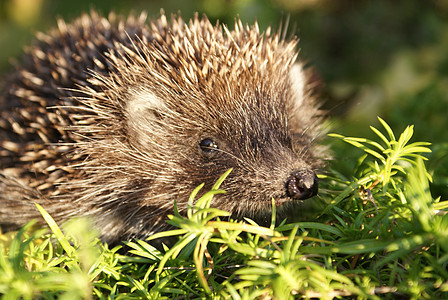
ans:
x=104 y=117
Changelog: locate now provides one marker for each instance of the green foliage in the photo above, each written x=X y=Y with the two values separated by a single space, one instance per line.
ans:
x=382 y=235
x=390 y=155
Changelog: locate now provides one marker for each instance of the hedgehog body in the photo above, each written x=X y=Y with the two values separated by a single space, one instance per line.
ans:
x=115 y=118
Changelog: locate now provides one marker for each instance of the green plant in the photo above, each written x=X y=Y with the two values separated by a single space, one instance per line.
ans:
x=382 y=235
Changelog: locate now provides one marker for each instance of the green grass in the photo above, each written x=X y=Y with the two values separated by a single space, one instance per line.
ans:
x=381 y=235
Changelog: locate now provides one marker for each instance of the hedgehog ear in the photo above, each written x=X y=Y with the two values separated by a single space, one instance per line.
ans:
x=144 y=105
x=298 y=83
x=144 y=112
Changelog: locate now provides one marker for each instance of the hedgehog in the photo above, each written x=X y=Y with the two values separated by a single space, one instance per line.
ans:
x=118 y=117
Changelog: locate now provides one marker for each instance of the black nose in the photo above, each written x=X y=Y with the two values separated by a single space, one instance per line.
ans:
x=301 y=184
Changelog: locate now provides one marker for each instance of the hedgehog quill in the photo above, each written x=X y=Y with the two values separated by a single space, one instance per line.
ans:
x=116 y=117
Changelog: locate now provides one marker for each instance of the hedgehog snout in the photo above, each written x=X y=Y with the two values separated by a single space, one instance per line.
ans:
x=301 y=184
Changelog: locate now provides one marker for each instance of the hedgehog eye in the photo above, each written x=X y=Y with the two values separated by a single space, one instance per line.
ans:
x=208 y=145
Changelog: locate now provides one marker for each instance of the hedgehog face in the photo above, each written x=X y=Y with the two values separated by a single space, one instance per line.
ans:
x=195 y=143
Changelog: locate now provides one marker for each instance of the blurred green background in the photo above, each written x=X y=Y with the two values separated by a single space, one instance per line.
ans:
x=375 y=58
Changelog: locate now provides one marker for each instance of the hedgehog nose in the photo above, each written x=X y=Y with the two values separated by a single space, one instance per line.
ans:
x=301 y=184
